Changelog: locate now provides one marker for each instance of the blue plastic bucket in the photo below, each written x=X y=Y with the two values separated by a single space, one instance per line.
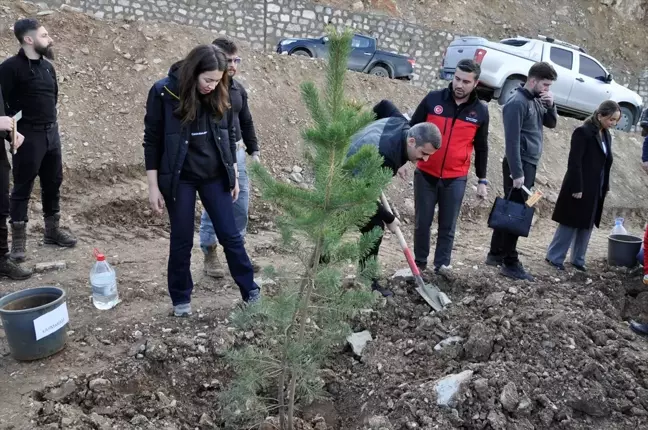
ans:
x=35 y=322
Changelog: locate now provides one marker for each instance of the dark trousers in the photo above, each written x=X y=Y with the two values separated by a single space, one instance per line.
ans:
x=39 y=155
x=5 y=169
x=503 y=244
x=448 y=194
x=217 y=201
x=375 y=221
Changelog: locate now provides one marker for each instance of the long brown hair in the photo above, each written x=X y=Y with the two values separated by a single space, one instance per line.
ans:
x=605 y=109
x=203 y=58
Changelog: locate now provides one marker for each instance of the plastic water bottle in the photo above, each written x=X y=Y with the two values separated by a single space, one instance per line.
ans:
x=618 y=227
x=103 y=281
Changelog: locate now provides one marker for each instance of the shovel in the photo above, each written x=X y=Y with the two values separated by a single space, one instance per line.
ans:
x=436 y=298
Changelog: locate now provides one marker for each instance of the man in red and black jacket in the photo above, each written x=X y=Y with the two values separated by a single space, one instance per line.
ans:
x=463 y=121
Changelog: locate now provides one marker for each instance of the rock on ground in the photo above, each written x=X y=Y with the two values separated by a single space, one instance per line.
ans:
x=358 y=341
x=449 y=388
x=480 y=343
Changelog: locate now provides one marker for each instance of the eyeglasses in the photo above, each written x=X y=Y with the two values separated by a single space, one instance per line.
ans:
x=236 y=60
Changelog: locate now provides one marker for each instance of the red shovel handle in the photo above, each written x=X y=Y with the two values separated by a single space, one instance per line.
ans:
x=408 y=254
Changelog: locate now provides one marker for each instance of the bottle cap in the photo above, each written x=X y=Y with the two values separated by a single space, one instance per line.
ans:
x=99 y=256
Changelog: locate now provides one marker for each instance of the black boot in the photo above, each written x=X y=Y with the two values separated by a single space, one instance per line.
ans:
x=18 y=241
x=375 y=286
x=55 y=236
x=12 y=270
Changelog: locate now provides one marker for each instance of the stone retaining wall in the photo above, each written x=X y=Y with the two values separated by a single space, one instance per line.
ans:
x=262 y=23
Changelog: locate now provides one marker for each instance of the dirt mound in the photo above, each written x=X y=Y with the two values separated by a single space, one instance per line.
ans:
x=533 y=356
x=123 y=213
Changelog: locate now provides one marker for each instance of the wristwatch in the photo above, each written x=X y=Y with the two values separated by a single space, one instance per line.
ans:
x=483 y=182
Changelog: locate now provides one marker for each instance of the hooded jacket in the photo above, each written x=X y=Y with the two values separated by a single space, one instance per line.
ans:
x=166 y=139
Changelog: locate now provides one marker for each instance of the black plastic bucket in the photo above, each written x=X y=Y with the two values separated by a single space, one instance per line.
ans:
x=623 y=250
x=35 y=322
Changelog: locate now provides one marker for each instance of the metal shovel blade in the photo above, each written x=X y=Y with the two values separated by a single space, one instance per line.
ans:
x=434 y=297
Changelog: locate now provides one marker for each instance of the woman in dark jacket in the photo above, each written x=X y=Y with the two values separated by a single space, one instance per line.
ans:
x=189 y=148
x=587 y=181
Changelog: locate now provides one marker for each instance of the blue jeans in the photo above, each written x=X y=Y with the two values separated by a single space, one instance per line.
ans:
x=208 y=236
x=217 y=200
x=448 y=194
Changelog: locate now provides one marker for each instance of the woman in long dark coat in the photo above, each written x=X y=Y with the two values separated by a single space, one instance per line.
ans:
x=587 y=181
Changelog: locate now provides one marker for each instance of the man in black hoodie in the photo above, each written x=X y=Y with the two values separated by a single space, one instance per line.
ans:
x=29 y=85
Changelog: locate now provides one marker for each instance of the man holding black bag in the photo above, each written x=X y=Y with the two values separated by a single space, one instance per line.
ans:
x=525 y=114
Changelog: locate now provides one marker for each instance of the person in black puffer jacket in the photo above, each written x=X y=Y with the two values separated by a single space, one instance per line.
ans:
x=189 y=148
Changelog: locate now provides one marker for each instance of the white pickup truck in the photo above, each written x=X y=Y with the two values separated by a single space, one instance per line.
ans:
x=582 y=84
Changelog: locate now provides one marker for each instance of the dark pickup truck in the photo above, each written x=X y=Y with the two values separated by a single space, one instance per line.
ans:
x=364 y=56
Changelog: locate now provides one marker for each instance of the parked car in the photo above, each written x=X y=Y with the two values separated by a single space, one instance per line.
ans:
x=364 y=56
x=582 y=84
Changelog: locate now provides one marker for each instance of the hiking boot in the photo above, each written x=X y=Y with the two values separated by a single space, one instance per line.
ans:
x=12 y=270
x=18 y=241
x=516 y=271
x=55 y=236
x=494 y=260
x=375 y=286
x=558 y=266
x=211 y=265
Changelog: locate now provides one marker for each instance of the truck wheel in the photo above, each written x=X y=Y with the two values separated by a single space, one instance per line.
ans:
x=379 y=71
x=627 y=119
x=509 y=89
x=301 y=53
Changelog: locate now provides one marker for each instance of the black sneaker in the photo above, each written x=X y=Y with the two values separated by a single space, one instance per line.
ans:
x=494 y=260
x=639 y=328
x=375 y=286
x=558 y=266
x=421 y=266
x=516 y=271
x=579 y=267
